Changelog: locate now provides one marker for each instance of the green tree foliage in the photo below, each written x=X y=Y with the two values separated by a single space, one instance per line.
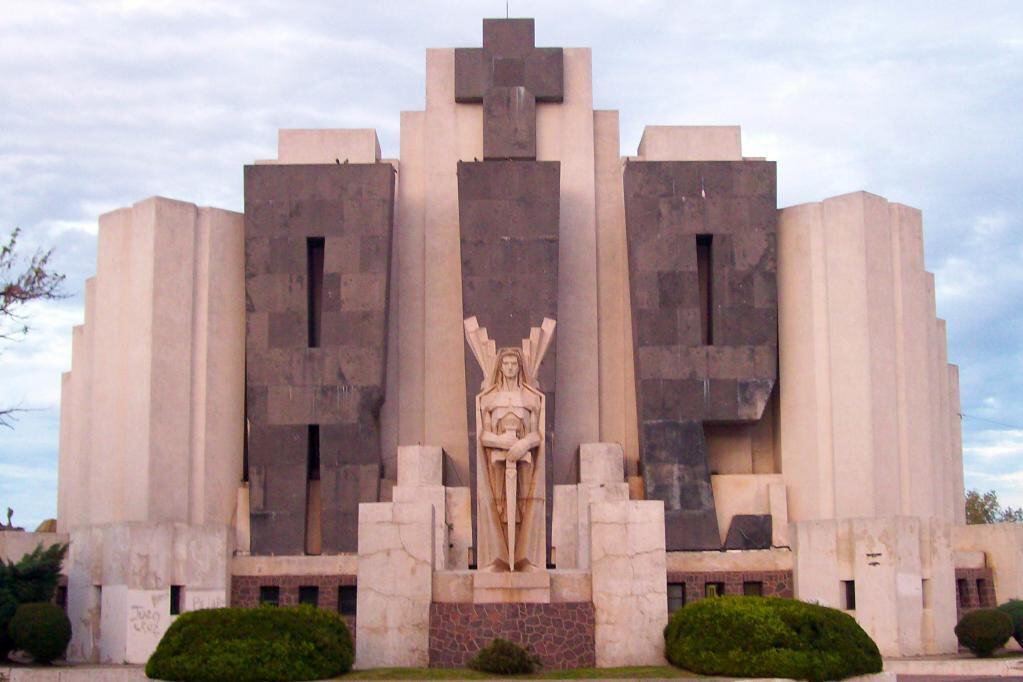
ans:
x=32 y=579
x=22 y=281
x=985 y=508
x=769 y=637
x=246 y=645
x=1014 y=609
x=42 y=630
x=983 y=631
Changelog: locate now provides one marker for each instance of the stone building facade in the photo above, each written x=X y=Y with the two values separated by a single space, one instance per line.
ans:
x=278 y=405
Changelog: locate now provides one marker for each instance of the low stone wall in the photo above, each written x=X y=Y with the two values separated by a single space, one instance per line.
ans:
x=773 y=583
x=975 y=589
x=245 y=588
x=560 y=634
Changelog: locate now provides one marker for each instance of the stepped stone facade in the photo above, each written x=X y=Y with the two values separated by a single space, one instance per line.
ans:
x=279 y=406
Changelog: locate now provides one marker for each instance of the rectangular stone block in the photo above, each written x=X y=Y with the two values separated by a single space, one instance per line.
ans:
x=533 y=587
x=420 y=465
x=458 y=503
x=435 y=495
x=630 y=582
x=395 y=579
x=601 y=463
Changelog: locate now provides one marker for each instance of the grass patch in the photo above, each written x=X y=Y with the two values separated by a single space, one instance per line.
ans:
x=631 y=673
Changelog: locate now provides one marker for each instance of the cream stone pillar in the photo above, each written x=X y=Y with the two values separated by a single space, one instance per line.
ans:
x=565 y=133
x=395 y=576
x=452 y=132
x=939 y=587
x=602 y=480
x=618 y=420
x=630 y=582
x=815 y=572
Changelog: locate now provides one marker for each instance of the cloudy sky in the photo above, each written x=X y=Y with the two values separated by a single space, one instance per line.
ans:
x=106 y=103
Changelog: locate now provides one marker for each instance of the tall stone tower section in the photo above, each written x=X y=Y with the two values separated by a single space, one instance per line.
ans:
x=702 y=239
x=317 y=264
x=509 y=203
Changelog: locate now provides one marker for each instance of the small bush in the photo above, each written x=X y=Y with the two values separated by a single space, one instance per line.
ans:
x=769 y=637
x=42 y=630
x=984 y=630
x=1014 y=609
x=502 y=657
x=246 y=645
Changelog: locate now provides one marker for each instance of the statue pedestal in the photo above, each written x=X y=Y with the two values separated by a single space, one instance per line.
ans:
x=532 y=587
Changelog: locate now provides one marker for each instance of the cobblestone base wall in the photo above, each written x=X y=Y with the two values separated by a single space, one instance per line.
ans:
x=772 y=583
x=245 y=591
x=560 y=634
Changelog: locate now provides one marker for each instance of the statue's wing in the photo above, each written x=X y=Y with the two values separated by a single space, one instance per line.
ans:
x=482 y=346
x=535 y=347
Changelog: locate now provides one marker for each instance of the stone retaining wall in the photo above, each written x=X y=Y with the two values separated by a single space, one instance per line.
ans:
x=560 y=634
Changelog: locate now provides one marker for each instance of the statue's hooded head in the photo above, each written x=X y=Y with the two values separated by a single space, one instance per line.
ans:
x=510 y=368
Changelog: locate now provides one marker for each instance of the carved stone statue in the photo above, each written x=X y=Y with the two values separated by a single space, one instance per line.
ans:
x=510 y=461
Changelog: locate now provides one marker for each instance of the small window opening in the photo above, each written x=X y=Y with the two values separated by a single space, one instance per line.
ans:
x=714 y=589
x=849 y=595
x=269 y=595
x=175 y=600
x=309 y=594
x=676 y=596
x=753 y=588
x=313 y=458
x=705 y=281
x=982 y=593
x=925 y=593
x=963 y=592
x=314 y=254
x=347 y=600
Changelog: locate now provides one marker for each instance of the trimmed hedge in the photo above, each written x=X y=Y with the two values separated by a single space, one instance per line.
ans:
x=1014 y=609
x=984 y=630
x=769 y=637
x=249 y=645
x=42 y=630
x=502 y=657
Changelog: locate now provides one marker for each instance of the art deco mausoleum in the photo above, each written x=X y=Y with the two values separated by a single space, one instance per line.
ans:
x=515 y=384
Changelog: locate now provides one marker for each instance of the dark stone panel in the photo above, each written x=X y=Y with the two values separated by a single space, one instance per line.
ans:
x=561 y=634
x=749 y=531
x=338 y=385
x=667 y=204
x=509 y=225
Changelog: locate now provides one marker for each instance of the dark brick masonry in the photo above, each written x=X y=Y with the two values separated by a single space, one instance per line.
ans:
x=560 y=634
x=773 y=583
x=975 y=589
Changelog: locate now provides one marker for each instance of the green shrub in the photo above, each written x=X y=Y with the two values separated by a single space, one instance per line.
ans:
x=769 y=637
x=272 y=644
x=502 y=657
x=984 y=630
x=41 y=629
x=1014 y=609
x=33 y=579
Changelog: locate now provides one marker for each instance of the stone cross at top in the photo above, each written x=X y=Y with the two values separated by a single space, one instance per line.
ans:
x=509 y=75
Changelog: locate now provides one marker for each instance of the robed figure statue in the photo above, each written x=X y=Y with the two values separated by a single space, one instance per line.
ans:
x=510 y=452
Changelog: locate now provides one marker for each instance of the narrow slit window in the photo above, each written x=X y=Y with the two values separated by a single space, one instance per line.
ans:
x=313 y=459
x=347 y=600
x=314 y=254
x=753 y=588
x=313 y=509
x=309 y=594
x=676 y=596
x=849 y=595
x=269 y=595
x=963 y=592
x=705 y=282
x=175 y=600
